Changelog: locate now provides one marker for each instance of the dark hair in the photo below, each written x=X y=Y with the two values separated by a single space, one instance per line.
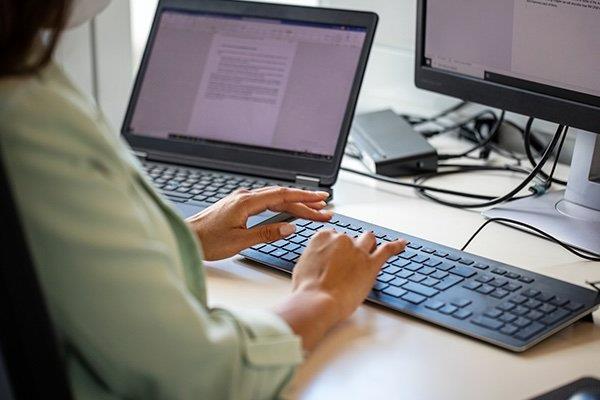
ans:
x=21 y=25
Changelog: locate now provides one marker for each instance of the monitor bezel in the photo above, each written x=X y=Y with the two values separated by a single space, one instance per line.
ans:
x=519 y=100
x=241 y=159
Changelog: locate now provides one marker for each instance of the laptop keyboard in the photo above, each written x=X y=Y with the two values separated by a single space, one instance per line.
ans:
x=198 y=187
x=504 y=305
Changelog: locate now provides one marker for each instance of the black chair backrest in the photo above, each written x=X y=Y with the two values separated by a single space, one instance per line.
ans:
x=34 y=367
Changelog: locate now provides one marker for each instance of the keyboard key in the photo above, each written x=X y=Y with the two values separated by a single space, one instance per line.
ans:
x=303 y=222
x=506 y=306
x=448 y=309
x=278 y=253
x=379 y=286
x=543 y=297
x=573 y=306
x=498 y=282
x=448 y=282
x=440 y=254
x=315 y=226
x=462 y=314
x=258 y=246
x=534 y=315
x=298 y=239
x=413 y=267
x=385 y=278
x=530 y=331
x=484 y=278
x=404 y=274
x=433 y=262
x=414 y=298
x=398 y=282
x=531 y=292
x=394 y=291
x=392 y=269
x=427 y=270
x=507 y=317
x=439 y=275
x=512 y=287
x=555 y=316
x=532 y=303
x=419 y=259
x=487 y=323
x=430 y=282
x=434 y=304
x=512 y=275
x=522 y=322
x=444 y=266
x=526 y=279
x=172 y=193
x=509 y=330
x=485 y=289
x=407 y=255
x=307 y=233
x=414 y=246
x=520 y=310
x=420 y=289
x=401 y=263
x=559 y=301
x=518 y=299
x=417 y=278
x=492 y=313
x=547 y=308
x=461 y=303
x=499 y=293
x=498 y=271
x=291 y=247
x=463 y=271
x=267 y=249
x=466 y=261
x=453 y=257
x=280 y=243
x=428 y=250
x=472 y=285
x=480 y=266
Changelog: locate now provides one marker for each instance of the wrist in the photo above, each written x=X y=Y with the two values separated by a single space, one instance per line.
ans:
x=310 y=314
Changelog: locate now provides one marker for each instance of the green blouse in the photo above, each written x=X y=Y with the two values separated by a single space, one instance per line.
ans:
x=121 y=272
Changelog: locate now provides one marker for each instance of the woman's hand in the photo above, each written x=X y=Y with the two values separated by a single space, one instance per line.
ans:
x=332 y=278
x=222 y=229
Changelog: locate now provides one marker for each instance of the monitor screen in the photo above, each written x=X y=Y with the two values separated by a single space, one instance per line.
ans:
x=273 y=84
x=551 y=47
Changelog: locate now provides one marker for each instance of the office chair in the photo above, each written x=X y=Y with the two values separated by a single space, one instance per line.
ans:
x=31 y=365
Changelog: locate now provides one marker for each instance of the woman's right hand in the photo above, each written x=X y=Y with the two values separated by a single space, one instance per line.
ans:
x=332 y=278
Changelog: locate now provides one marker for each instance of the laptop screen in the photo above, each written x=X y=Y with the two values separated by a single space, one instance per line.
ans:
x=271 y=84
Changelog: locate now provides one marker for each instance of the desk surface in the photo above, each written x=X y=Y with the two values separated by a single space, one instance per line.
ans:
x=383 y=354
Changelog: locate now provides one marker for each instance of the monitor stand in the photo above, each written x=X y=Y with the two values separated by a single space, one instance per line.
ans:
x=572 y=216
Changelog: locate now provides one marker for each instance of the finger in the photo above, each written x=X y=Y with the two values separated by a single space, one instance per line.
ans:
x=267 y=233
x=305 y=212
x=317 y=206
x=367 y=242
x=388 y=250
x=259 y=201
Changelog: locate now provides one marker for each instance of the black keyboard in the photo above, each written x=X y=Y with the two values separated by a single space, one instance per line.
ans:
x=485 y=299
x=201 y=187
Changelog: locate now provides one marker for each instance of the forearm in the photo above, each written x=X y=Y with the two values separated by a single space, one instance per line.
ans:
x=310 y=314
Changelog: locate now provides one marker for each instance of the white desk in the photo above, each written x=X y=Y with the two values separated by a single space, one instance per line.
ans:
x=382 y=354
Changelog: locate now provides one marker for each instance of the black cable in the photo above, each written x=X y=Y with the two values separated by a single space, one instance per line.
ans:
x=493 y=133
x=459 y=125
x=558 y=151
x=527 y=139
x=420 y=187
x=585 y=255
x=512 y=193
x=442 y=114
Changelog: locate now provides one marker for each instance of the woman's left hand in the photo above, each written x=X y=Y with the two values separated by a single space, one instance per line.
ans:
x=222 y=229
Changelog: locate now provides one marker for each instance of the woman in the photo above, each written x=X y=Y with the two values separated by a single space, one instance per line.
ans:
x=122 y=273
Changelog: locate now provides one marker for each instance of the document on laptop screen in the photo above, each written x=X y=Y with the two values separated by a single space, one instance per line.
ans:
x=276 y=84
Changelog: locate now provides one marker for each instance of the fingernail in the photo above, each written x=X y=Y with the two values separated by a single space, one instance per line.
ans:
x=323 y=194
x=327 y=213
x=287 y=229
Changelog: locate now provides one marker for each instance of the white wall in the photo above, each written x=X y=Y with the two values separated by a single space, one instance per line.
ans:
x=98 y=58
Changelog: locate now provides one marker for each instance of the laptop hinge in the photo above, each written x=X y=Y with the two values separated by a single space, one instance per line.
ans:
x=140 y=154
x=308 y=181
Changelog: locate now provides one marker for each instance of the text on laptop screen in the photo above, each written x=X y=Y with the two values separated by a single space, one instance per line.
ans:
x=273 y=84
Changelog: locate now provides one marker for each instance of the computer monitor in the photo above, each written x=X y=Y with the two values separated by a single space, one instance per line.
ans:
x=539 y=58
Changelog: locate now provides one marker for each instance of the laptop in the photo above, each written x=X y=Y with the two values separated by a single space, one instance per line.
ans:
x=245 y=95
